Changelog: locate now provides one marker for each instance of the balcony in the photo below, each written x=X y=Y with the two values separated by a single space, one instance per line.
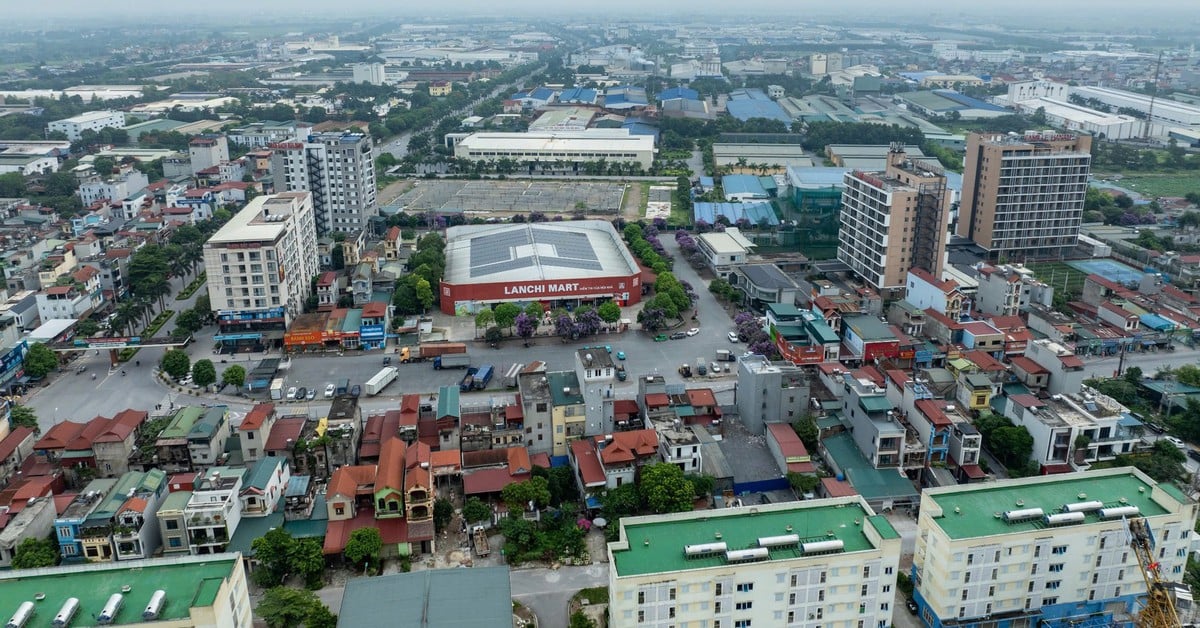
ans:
x=217 y=537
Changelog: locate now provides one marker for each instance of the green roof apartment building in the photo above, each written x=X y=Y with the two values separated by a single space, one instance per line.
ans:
x=183 y=592
x=829 y=562
x=1049 y=551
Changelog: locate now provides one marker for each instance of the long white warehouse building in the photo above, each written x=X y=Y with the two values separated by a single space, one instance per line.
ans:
x=1165 y=110
x=571 y=147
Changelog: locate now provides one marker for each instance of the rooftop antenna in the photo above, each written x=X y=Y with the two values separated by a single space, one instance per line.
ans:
x=1153 y=96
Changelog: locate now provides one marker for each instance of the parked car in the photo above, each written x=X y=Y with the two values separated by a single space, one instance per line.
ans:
x=291 y=392
x=1176 y=442
x=714 y=367
x=733 y=337
x=387 y=361
x=911 y=605
x=693 y=331
x=620 y=355
x=660 y=338
x=312 y=394
x=679 y=335
x=301 y=393
x=608 y=348
x=329 y=390
x=355 y=390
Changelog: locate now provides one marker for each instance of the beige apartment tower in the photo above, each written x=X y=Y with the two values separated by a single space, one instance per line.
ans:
x=893 y=221
x=1023 y=195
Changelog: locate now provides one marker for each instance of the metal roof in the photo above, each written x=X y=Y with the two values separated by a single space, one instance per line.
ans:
x=535 y=252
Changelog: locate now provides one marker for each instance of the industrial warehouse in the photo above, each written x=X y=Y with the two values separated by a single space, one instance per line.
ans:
x=557 y=264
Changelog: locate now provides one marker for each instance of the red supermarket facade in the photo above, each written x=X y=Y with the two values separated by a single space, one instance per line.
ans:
x=624 y=290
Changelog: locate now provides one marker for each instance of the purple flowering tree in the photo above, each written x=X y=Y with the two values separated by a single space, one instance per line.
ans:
x=526 y=325
x=564 y=327
x=588 y=322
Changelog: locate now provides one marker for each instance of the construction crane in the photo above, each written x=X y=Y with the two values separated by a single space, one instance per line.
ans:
x=1147 y=125
x=1159 y=609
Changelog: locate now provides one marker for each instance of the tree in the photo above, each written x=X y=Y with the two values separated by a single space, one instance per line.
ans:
x=204 y=373
x=284 y=607
x=517 y=496
x=1012 y=444
x=802 y=482
x=475 y=510
x=620 y=502
x=234 y=375
x=609 y=312
x=664 y=489
x=362 y=548
x=424 y=293
x=535 y=310
x=1133 y=375
x=526 y=326
x=188 y=322
x=405 y=300
x=175 y=363
x=23 y=416
x=702 y=484
x=33 y=553
x=307 y=558
x=273 y=553
x=87 y=328
x=12 y=185
x=506 y=314
x=484 y=318
x=580 y=619
x=39 y=361
x=808 y=432
x=443 y=511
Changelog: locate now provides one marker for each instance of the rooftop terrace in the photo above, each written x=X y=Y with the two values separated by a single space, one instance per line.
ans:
x=188 y=582
x=978 y=510
x=656 y=544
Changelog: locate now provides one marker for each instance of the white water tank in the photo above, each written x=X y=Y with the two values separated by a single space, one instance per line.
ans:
x=109 y=613
x=1064 y=518
x=756 y=553
x=1118 y=512
x=702 y=549
x=817 y=547
x=1020 y=515
x=1083 y=506
x=779 y=541
x=155 y=606
x=66 y=613
x=24 y=612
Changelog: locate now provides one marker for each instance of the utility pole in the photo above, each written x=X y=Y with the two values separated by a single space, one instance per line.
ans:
x=1153 y=95
x=1121 y=360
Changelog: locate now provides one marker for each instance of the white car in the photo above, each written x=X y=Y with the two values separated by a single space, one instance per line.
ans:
x=329 y=391
x=732 y=336
x=291 y=394
x=693 y=331
x=714 y=367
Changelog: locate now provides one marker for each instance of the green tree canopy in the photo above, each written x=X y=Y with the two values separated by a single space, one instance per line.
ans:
x=273 y=553
x=664 y=489
x=506 y=314
x=517 y=496
x=362 y=548
x=234 y=375
x=175 y=362
x=808 y=432
x=24 y=416
x=204 y=373
x=33 y=553
x=283 y=607
x=609 y=312
x=475 y=510
x=40 y=360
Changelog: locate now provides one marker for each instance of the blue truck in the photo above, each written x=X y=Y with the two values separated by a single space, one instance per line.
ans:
x=476 y=378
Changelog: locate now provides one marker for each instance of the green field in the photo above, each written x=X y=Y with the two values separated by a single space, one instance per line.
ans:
x=1155 y=185
x=1063 y=278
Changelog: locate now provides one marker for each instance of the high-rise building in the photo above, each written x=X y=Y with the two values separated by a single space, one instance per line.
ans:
x=262 y=263
x=339 y=170
x=1045 y=551
x=828 y=562
x=206 y=151
x=893 y=221
x=1023 y=195
x=372 y=73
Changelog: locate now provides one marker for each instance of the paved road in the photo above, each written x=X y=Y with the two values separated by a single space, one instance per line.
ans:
x=1148 y=362
x=547 y=591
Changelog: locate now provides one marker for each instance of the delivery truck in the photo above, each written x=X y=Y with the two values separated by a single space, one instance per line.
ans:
x=277 y=388
x=430 y=350
x=482 y=377
x=479 y=539
x=452 y=361
x=380 y=380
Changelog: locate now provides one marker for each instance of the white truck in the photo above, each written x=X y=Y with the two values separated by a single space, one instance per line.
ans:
x=380 y=380
x=277 y=388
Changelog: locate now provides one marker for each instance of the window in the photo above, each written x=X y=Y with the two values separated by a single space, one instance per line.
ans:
x=791 y=617
x=718 y=588
x=175 y=541
x=1050 y=601
x=887 y=571
x=717 y=607
x=671 y=594
x=862 y=607
x=793 y=580
x=1053 y=584
x=745 y=587
x=743 y=606
x=671 y=613
x=1058 y=549
x=867 y=571
x=822 y=580
x=741 y=623
x=864 y=590
x=641 y=617
x=991 y=591
x=885 y=606
x=172 y=524
x=964 y=595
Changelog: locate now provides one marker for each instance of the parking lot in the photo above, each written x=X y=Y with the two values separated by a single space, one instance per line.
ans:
x=493 y=196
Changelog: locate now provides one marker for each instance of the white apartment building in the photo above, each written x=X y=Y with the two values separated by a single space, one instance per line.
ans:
x=724 y=250
x=207 y=151
x=338 y=169
x=262 y=262
x=74 y=126
x=114 y=189
x=1009 y=290
x=214 y=511
x=372 y=73
x=1074 y=430
x=1044 y=551
x=262 y=134
x=1064 y=367
x=826 y=562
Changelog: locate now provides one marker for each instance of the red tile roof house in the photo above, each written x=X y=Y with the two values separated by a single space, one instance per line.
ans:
x=612 y=460
x=791 y=456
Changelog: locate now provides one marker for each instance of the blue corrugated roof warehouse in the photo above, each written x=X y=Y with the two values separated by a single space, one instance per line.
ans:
x=755 y=212
x=744 y=185
x=585 y=95
x=744 y=104
x=679 y=92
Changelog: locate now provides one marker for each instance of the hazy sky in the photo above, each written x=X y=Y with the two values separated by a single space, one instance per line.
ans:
x=615 y=9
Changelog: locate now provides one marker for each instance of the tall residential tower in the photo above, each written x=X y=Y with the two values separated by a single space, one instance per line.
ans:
x=1023 y=194
x=893 y=221
x=339 y=170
